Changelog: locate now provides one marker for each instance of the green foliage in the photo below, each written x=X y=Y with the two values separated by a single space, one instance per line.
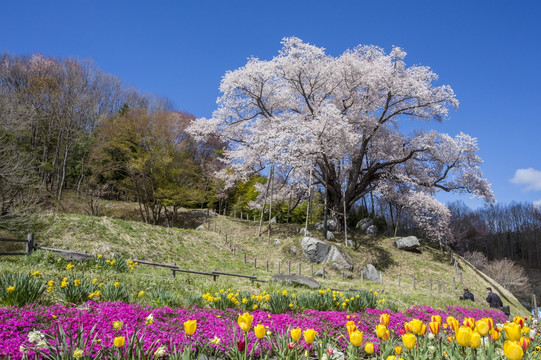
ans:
x=163 y=297
x=76 y=290
x=115 y=291
x=19 y=289
x=281 y=302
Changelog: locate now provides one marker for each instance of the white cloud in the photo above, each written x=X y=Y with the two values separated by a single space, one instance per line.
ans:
x=530 y=177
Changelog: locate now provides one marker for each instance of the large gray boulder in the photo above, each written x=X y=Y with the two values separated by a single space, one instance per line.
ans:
x=332 y=225
x=201 y=227
x=407 y=243
x=371 y=231
x=370 y=273
x=305 y=232
x=330 y=236
x=314 y=250
x=364 y=224
x=297 y=279
x=337 y=259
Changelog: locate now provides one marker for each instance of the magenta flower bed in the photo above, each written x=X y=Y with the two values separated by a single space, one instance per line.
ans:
x=168 y=329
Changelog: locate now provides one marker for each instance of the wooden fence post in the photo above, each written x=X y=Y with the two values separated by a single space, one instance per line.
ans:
x=255 y=263
x=214 y=277
x=398 y=280
x=342 y=275
x=535 y=308
x=312 y=270
x=278 y=267
x=460 y=276
x=299 y=269
x=413 y=282
x=215 y=226
x=362 y=277
x=289 y=267
x=267 y=267
x=380 y=278
x=245 y=257
x=430 y=283
x=454 y=282
x=29 y=243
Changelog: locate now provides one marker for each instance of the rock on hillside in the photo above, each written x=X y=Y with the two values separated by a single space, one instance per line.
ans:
x=317 y=251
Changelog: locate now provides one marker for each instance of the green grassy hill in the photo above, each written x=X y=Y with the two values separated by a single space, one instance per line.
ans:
x=207 y=250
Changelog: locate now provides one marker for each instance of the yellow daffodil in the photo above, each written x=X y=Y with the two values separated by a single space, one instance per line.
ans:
x=34 y=273
x=69 y=266
x=119 y=341
x=463 y=335
x=245 y=321
x=10 y=289
x=259 y=331
x=116 y=284
x=78 y=353
x=76 y=282
x=94 y=281
x=117 y=325
x=369 y=348
x=190 y=326
x=309 y=335
x=295 y=333
x=512 y=331
x=409 y=340
x=356 y=338
x=513 y=350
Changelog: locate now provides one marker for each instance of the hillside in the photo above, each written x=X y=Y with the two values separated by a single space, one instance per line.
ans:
x=207 y=250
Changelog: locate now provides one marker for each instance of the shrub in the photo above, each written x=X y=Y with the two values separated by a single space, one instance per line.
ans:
x=280 y=302
x=20 y=289
x=509 y=274
x=477 y=259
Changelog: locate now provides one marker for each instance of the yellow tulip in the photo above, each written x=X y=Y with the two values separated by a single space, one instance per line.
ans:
x=382 y=332
x=470 y=322
x=245 y=321
x=296 y=334
x=519 y=320
x=495 y=334
x=436 y=318
x=391 y=357
x=351 y=327
x=259 y=331
x=453 y=323
x=409 y=340
x=513 y=350
x=369 y=348
x=309 y=335
x=524 y=343
x=416 y=326
x=525 y=330
x=512 y=331
x=190 y=326
x=119 y=341
x=483 y=327
x=398 y=349
x=434 y=327
x=384 y=319
x=117 y=325
x=463 y=335
x=356 y=338
x=475 y=340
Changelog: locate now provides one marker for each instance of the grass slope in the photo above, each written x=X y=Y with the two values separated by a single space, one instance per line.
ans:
x=208 y=250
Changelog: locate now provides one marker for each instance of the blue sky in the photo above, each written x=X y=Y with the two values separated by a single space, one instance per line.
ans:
x=488 y=51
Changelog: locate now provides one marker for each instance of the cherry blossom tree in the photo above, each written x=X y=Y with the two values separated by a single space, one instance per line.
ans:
x=341 y=119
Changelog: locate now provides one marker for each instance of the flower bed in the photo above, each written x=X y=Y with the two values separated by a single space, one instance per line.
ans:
x=164 y=327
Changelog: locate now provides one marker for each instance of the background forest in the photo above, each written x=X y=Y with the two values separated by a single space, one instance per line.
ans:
x=66 y=127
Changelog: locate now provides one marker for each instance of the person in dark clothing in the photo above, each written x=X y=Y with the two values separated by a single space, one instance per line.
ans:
x=493 y=299
x=467 y=295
